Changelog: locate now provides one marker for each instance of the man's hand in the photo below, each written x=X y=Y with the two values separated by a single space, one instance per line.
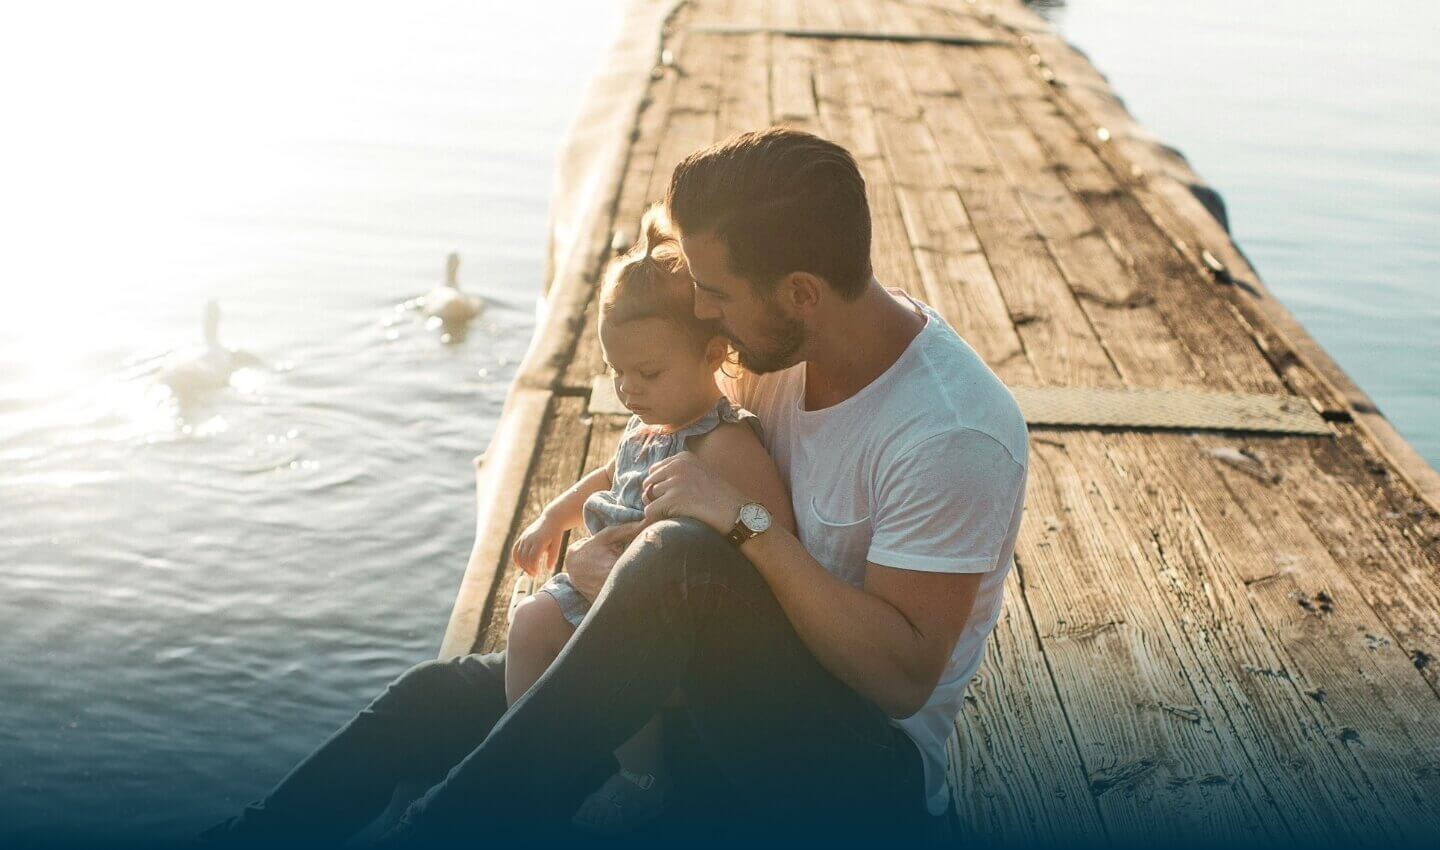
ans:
x=589 y=561
x=682 y=485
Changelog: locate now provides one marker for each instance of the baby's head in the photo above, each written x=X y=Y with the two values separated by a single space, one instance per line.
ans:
x=661 y=357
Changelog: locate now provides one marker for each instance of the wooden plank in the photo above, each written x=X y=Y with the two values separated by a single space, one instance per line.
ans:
x=1161 y=759
x=1057 y=336
x=693 y=115
x=585 y=360
x=958 y=280
x=792 y=78
x=1017 y=777
x=1366 y=698
x=500 y=480
x=858 y=14
x=924 y=242
x=821 y=15
x=1120 y=308
x=1237 y=629
x=849 y=121
x=1199 y=315
x=1385 y=537
x=917 y=248
x=745 y=87
x=1164 y=183
x=561 y=450
x=784 y=14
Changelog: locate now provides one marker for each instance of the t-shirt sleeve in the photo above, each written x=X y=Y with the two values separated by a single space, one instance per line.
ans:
x=947 y=505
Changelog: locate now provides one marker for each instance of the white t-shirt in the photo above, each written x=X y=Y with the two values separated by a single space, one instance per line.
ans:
x=922 y=469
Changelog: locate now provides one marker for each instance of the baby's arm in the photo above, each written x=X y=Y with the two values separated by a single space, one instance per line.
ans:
x=541 y=539
x=565 y=509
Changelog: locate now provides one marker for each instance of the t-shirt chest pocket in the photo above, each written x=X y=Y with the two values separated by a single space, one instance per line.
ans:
x=835 y=529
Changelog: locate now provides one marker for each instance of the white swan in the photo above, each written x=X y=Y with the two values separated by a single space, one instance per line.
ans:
x=447 y=302
x=209 y=368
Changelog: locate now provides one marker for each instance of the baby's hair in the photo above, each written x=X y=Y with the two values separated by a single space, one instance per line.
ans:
x=651 y=281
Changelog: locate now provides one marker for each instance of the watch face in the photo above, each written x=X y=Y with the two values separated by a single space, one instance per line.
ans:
x=755 y=517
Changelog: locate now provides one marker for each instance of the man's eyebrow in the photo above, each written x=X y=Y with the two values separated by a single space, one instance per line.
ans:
x=710 y=289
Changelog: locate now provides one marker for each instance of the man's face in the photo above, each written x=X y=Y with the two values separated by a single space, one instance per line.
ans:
x=766 y=335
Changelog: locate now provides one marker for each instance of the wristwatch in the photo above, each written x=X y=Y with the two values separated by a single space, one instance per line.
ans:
x=753 y=521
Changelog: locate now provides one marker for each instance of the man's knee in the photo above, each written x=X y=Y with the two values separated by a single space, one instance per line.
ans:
x=679 y=551
x=421 y=685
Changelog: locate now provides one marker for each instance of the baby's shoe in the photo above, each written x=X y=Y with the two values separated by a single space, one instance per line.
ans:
x=626 y=801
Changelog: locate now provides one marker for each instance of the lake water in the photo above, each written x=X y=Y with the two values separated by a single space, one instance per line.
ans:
x=1319 y=122
x=192 y=599
x=195 y=596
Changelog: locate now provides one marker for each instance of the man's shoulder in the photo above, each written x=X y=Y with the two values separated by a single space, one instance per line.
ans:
x=949 y=395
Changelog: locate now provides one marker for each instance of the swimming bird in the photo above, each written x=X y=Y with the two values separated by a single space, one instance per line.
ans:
x=447 y=302
x=198 y=370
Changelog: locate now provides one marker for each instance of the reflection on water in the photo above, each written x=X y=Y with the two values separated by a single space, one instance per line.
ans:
x=208 y=561
x=1317 y=120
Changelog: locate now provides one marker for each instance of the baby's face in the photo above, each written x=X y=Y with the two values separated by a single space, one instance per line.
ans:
x=657 y=373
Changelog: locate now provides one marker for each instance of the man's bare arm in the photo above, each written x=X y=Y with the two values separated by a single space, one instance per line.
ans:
x=889 y=641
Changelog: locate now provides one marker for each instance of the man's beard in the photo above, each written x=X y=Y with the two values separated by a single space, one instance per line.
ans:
x=781 y=341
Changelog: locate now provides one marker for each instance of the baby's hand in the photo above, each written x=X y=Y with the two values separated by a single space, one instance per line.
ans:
x=538 y=545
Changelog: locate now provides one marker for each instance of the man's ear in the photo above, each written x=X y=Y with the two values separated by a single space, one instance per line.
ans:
x=803 y=290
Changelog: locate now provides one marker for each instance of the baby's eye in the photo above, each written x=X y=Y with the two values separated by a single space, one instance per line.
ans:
x=649 y=375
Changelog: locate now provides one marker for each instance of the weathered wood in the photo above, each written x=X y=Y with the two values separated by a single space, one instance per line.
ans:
x=1137 y=339
x=926 y=240
x=1163 y=184
x=585 y=360
x=1058 y=338
x=848 y=119
x=1159 y=755
x=561 y=450
x=1387 y=548
x=1213 y=635
x=500 y=481
x=745 y=88
x=1229 y=617
x=1017 y=777
x=792 y=83
x=1189 y=303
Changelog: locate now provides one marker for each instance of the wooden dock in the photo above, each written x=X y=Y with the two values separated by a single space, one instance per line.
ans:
x=1220 y=633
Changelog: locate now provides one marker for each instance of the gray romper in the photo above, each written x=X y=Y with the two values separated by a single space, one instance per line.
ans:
x=639 y=450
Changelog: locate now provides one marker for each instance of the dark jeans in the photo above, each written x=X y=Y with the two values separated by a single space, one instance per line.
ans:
x=778 y=746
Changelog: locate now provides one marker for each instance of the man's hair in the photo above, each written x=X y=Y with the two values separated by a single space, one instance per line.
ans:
x=781 y=201
x=650 y=281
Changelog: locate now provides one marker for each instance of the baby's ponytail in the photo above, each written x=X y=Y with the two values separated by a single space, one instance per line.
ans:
x=651 y=281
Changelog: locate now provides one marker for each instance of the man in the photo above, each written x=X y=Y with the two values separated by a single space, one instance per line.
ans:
x=821 y=673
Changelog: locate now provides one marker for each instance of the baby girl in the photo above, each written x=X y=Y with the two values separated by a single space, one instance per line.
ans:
x=663 y=362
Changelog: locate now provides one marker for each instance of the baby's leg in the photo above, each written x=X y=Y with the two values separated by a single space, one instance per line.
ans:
x=538 y=631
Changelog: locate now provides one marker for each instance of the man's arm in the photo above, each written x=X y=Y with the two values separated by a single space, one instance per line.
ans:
x=890 y=640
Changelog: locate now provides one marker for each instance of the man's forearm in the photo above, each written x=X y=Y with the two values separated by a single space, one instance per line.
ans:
x=860 y=638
